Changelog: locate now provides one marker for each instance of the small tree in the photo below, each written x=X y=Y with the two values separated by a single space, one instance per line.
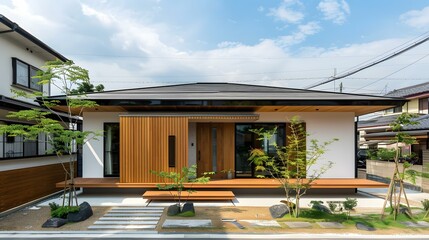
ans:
x=60 y=129
x=394 y=195
x=176 y=181
x=292 y=166
x=349 y=205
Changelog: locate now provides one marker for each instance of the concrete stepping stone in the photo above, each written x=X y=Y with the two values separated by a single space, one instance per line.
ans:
x=139 y=208
x=133 y=215
x=129 y=218
x=125 y=227
x=330 y=225
x=418 y=224
x=262 y=223
x=299 y=224
x=176 y=223
x=136 y=211
x=126 y=222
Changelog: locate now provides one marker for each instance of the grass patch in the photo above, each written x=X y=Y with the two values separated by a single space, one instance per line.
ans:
x=373 y=220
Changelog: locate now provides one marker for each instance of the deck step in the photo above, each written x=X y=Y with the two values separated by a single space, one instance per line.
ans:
x=125 y=227
x=129 y=218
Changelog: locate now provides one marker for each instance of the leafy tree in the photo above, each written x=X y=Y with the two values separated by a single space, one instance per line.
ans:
x=394 y=195
x=176 y=181
x=349 y=205
x=60 y=129
x=292 y=166
x=87 y=87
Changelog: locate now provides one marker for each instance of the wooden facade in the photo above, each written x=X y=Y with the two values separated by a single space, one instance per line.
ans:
x=144 y=146
x=20 y=186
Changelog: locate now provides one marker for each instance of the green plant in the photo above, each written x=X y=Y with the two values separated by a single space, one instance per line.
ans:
x=333 y=206
x=176 y=181
x=54 y=206
x=425 y=204
x=386 y=154
x=349 y=204
x=292 y=165
x=62 y=212
x=393 y=195
x=315 y=203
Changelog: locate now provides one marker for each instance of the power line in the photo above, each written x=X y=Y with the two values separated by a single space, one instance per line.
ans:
x=366 y=65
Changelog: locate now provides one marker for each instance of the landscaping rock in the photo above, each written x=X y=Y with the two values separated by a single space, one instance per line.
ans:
x=188 y=210
x=54 y=223
x=279 y=210
x=85 y=211
x=363 y=226
x=173 y=210
x=321 y=208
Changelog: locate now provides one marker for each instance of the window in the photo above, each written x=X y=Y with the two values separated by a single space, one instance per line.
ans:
x=171 y=151
x=245 y=140
x=423 y=105
x=23 y=75
x=17 y=147
x=111 y=149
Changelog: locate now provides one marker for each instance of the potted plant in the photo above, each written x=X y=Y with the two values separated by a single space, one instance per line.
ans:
x=229 y=173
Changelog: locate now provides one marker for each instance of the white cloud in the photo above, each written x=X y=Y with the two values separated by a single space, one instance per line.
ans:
x=286 y=12
x=299 y=36
x=416 y=18
x=103 y=18
x=334 y=10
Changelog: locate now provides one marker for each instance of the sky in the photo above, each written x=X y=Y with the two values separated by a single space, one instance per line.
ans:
x=287 y=43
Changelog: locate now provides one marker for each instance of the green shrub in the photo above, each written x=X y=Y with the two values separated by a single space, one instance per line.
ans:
x=425 y=204
x=332 y=206
x=54 y=206
x=62 y=212
x=350 y=204
x=386 y=154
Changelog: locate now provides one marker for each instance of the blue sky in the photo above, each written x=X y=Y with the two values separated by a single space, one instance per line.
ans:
x=290 y=43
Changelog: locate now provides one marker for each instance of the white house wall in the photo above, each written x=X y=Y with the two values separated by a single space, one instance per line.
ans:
x=93 y=154
x=321 y=126
x=11 y=49
x=324 y=127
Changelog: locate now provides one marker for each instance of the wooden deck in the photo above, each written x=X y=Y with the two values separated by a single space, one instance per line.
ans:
x=237 y=183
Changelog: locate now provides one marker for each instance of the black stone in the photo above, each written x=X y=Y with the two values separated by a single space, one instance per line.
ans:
x=54 y=223
x=363 y=226
x=173 y=210
x=85 y=211
x=188 y=207
x=321 y=208
x=279 y=210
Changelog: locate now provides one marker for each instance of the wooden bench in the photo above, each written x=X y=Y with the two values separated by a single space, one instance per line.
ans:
x=197 y=195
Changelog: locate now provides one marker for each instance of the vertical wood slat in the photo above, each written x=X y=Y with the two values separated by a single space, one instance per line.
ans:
x=145 y=140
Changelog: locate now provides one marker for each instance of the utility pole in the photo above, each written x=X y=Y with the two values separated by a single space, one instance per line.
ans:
x=341 y=87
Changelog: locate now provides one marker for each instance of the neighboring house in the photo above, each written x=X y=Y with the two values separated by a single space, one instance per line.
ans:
x=376 y=132
x=26 y=171
x=167 y=127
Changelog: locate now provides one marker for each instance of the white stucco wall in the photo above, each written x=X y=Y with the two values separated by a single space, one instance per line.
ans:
x=9 y=49
x=324 y=127
x=93 y=154
x=6 y=165
x=321 y=126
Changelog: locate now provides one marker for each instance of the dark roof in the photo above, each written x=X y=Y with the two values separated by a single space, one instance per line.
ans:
x=17 y=29
x=228 y=91
x=409 y=91
x=423 y=122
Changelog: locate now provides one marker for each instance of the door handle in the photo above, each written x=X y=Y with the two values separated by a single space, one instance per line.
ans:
x=199 y=155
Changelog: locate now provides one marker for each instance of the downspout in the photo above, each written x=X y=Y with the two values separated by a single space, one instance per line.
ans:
x=356 y=148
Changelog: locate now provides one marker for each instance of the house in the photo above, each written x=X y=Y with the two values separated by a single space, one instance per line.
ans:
x=376 y=132
x=167 y=127
x=27 y=172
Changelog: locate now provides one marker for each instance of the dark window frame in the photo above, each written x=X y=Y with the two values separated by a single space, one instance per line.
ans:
x=284 y=124
x=424 y=105
x=172 y=151
x=29 y=80
x=104 y=150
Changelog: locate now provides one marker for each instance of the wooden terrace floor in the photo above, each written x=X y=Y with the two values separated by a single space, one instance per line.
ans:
x=236 y=183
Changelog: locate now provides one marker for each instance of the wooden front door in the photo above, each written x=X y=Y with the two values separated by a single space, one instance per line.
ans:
x=210 y=148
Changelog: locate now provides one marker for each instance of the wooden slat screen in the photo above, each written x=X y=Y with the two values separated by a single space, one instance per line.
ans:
x=144 y=146
x=20 y=186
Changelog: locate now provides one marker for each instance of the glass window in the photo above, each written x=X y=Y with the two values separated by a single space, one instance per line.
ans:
x=423 y=105
x=23 y=75
x=245 y=140
x=111 y=149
